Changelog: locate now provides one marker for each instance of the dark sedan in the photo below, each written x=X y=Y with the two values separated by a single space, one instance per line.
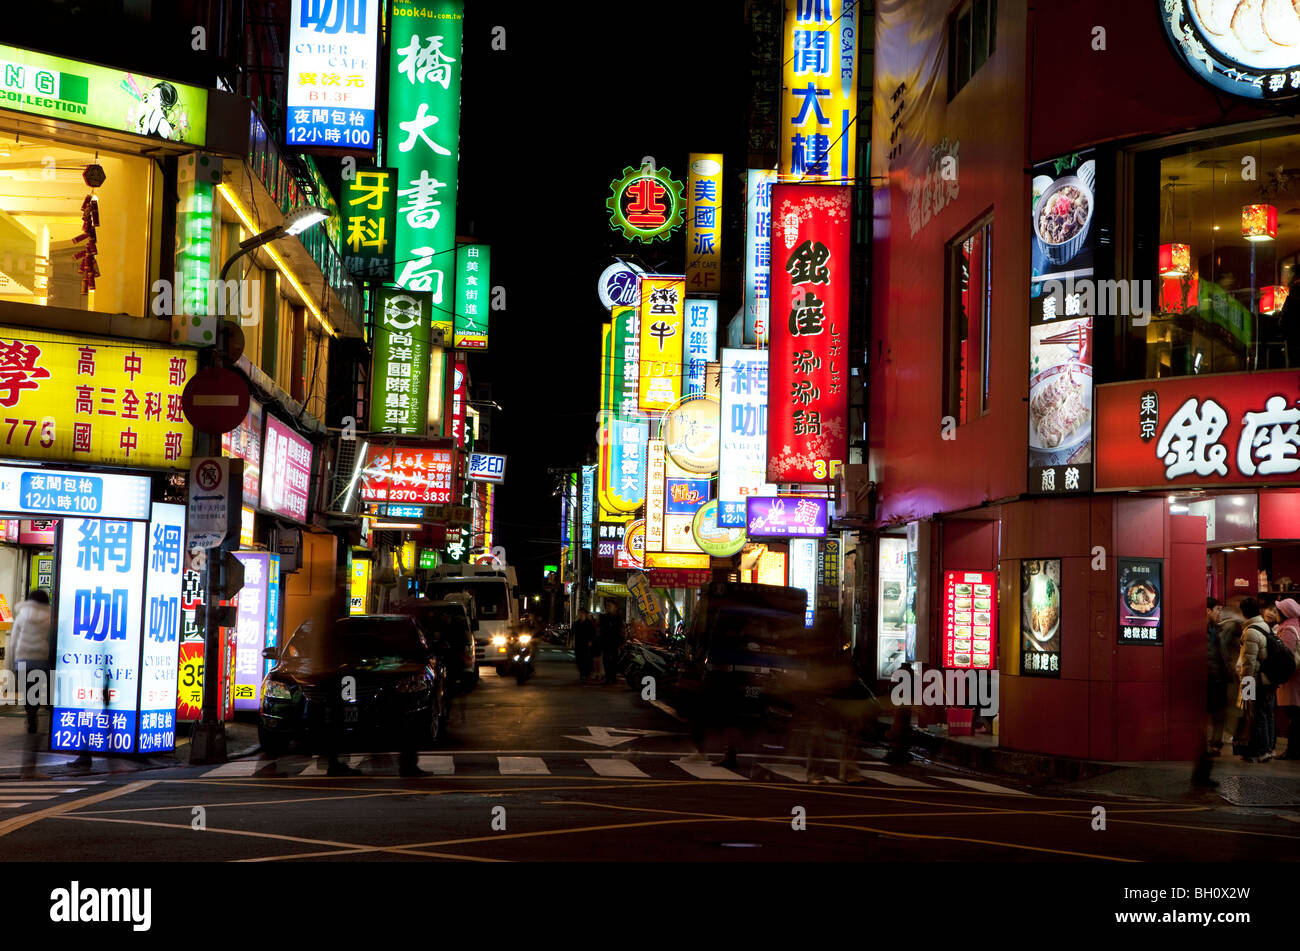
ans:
x=372 y=677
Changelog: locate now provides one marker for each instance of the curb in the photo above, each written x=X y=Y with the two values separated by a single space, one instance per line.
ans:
x=1030 y=767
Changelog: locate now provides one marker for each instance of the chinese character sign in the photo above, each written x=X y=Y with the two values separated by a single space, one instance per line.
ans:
x=245 y=442
x=369 y=219
x=333 y=52
x=251 y=629
x=645 y=204
x=163 y=624
x=970 y=619
x=399 y=379
x=704 y=223
x=472 y=293
x=89 y=400
x=100 y=614
x=786 y=517
x=808 y=396
x=742 y=458
x=286 y=471
x=662 y=326
x=424 y=144
x=803 y=574
x=758 y=253
x=820 y=103
x=484 y=467
x=1225 y=430
x=1139 y=600
x=419 y=474
x=1040 y=618
x=701 y=342
x=588 y=504
x=654 y=505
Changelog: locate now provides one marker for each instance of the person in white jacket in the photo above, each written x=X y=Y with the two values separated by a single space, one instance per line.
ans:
x=29 y=648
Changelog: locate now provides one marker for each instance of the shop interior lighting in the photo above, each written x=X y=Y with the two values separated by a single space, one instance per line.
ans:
x=1175 y=260
x=1272 y=297
x=246 y=219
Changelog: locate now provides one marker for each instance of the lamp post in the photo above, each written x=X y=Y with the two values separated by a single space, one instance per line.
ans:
x=208 y=744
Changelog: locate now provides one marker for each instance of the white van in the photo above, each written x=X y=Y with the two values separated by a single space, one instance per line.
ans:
x=494 y=590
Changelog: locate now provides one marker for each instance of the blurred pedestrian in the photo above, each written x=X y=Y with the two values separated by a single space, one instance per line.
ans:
x=1218 y=676
x=611 y=639
x=1288 y=694
x=28 y=655
x=1254 y=651
x=584 y=637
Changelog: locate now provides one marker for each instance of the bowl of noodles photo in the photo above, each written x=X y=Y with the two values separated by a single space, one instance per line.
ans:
x=1060 y=407
x=1062 y=217
x=1043 y=608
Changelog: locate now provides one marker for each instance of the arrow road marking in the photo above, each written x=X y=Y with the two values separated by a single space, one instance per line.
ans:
x=603 y=736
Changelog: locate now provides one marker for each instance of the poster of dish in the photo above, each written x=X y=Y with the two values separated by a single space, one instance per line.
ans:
x=1063 y=249
x=970 y=619
x=1040 y=617
x=1140 y=587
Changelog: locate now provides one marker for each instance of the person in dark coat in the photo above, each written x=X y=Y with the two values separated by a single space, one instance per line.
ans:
x=611 y=639
x=1218 y=676
x=584 y=637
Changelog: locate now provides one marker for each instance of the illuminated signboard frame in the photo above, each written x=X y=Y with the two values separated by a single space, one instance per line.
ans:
x=704 y=223
x=368 y=213
x=285 y=453
x=672 y=194
x=329 y=107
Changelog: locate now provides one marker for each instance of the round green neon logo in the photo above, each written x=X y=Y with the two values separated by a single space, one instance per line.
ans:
x=646 y=204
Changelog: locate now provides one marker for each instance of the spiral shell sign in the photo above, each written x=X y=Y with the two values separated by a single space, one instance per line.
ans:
x=808 y=399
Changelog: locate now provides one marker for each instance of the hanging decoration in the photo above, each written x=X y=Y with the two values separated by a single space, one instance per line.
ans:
x=89 y=269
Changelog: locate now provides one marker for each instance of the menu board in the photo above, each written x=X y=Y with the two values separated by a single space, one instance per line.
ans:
x=1040 y=618
x=1139 y=600
x=970 y=619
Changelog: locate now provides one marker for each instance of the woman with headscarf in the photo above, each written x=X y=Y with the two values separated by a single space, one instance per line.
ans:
x=1288 y=694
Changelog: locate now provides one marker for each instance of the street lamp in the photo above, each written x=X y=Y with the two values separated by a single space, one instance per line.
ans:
x=296 y=223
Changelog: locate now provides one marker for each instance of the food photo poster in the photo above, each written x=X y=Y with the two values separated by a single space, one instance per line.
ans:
x=1040 y=617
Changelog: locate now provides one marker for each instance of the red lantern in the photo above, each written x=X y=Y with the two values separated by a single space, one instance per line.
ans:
x=1259 y=222
x=1175 y=260
x=1272 y=297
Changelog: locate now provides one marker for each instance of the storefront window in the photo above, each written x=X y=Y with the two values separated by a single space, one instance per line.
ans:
x=893 y=607
x=970 y=295
x=43 y=187
x=1220 y=261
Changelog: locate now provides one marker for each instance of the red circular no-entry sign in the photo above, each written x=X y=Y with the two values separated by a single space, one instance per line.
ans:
x=215 y=401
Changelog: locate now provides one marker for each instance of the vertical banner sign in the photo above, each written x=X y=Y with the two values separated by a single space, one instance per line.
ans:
x=970 y=619
x=803 y=573
x=627 y=362
x=1040 y=618
x=701 y=342
x=808 y=400
x=333 y=52
x=245 y=442
x=820 y=101
x=1063 y=250
x=360 y=587
x=627 y=462
x=459 y=396
x=758 y=253
x=663 y=317
x=369 y=211
x=1140 y=585
x=828 y=574
x=654 y=511
x=286 y=475
x=424 y=144
x=704 y=224
x=472 y=292
x=742 y=459
x=588 y=505
x=251 y=629
x=162 y=629
x=399 y=377
x=100 y=616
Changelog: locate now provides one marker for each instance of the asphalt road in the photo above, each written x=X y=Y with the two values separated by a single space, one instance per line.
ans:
x=557 y=771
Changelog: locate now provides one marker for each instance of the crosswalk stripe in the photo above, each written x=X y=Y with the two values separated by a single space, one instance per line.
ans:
x=798 y=773
x=983 y=786
x=320 y=766
x=889 y=779
x=439 y=765
x=239 y=767
x=13 y=805
x=616 y=767
x=34 y=783
x=522 y=766
x=703 y=770
x=28 y=797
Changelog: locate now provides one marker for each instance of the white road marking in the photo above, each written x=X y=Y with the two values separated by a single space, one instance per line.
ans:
x=440 y=765
x=616 y=767
x=604 y=736
x=798 y=773
x=703 y=770
x=13 y=805
x=983 y=786
x=22 y=795
x=668 y=710
x=522 y=766
x=315 y=767
x=239 y=767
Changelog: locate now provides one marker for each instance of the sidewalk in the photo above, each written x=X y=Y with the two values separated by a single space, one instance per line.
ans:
x=241 y=740
x=1275 y=783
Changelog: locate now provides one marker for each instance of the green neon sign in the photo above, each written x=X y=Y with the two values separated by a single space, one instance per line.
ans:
x=646 y=204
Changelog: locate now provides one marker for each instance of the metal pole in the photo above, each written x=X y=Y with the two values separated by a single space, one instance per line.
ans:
x=208 y=744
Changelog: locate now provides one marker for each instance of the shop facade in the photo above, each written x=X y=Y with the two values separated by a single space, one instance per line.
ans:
x=1094 y=417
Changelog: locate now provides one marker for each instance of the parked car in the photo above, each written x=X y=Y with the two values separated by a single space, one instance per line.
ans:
x=449 y=628
x=398 y=689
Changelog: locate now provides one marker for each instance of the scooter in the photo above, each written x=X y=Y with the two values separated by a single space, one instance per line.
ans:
x=641 y=660
x=520 y=658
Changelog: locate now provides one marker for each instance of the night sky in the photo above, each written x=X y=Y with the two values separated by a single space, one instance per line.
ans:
x=540 y=142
